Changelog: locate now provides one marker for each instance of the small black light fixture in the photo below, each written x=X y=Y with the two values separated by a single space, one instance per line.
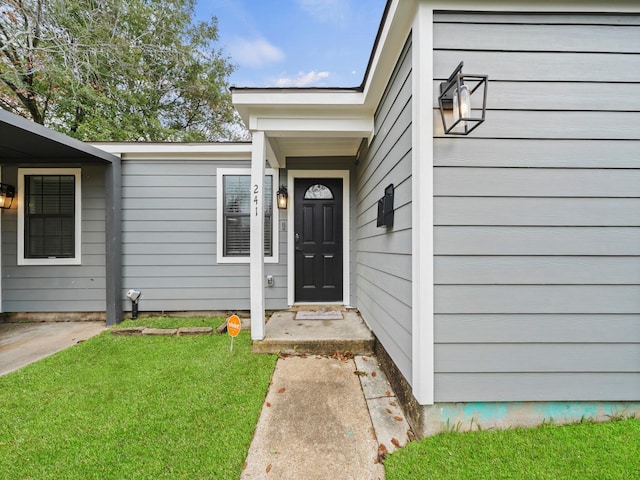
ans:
x=7 y=194
x=456 y=94
x=282 y=197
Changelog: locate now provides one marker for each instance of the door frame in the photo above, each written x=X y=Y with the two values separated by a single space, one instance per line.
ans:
x=346 y=238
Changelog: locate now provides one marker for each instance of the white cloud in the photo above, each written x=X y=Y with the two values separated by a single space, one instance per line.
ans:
x=327 y=11
x=302 y=79
x=254 y=53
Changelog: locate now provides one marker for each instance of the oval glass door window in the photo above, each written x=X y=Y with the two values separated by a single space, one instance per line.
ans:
x=318 y=192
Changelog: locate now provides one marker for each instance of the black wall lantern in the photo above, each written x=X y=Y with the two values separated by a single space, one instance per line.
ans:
x=282 y=197
x=457 y=95
x=7 y=193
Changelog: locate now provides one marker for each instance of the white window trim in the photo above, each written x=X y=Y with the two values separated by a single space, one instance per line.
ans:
x=220 y=173
x=77 y=260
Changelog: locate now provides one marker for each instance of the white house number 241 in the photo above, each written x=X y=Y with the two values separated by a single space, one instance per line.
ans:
x=256 y=190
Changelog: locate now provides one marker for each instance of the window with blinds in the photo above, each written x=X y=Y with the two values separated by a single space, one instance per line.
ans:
x=49 y=218
x=236 y=224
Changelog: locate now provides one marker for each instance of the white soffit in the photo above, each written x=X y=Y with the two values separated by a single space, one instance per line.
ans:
x=176 y=150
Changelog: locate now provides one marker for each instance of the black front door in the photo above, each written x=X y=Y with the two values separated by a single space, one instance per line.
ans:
x=318 y=239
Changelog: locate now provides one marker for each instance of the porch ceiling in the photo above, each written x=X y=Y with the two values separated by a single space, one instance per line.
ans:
x=315 y=146
x=24 y=141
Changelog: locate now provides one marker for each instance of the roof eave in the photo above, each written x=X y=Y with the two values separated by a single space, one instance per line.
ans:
x=15 y=129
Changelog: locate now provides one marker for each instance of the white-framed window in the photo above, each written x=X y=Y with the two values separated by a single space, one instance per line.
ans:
x=49 y=216
x=233 y=220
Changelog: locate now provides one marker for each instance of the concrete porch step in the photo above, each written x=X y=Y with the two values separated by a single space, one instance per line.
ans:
x=285 y=334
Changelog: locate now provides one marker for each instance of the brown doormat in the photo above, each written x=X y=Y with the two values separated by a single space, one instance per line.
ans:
x=317 y=315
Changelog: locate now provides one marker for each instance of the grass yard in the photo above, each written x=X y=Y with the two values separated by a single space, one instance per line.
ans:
x=583 y=451
x=138 y=407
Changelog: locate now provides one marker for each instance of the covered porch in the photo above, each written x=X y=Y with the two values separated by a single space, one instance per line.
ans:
x=313 y=139
x=30 y=146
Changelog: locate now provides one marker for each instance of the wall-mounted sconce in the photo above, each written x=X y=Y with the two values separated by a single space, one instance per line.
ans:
x=385 y=208
x=282 y=197
x=7 y=193
x=456 y=94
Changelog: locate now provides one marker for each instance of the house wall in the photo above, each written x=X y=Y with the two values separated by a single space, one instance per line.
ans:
x=169 y=239
x=383 y=258
x=58 y=288
x=537 y=216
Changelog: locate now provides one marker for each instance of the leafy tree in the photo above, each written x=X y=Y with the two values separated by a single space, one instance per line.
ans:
x=116 y=70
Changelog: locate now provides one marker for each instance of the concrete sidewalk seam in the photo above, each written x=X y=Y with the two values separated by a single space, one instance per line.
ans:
x=389 y=422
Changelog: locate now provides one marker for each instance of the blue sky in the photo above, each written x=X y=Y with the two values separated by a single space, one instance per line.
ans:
x=296 y=43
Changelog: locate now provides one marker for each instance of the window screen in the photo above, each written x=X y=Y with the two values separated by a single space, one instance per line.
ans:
x=50 y=216
x=237 y=200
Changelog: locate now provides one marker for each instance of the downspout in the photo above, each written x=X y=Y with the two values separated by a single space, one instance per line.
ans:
x=113 y=240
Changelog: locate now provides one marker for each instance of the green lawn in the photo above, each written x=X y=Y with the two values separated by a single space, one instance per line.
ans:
x=582 y=451
x=134 y=407
x=173 y=322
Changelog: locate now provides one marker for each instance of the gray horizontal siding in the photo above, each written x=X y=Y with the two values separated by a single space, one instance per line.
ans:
x=160 y=236
x=537 y=211
x=53 y=294
x=537 y=299
x=508 y=387
x=536 y=18
x=474 y=240
x=560 y=125
x=58 y=288
x=525 y=37
x=194 y=192
x=383 y=259
x=559 y=96
x=541 y=153
x=536 y=214
x=542 y=66
x=536 y=357
x=392 y=263
x=35 y=281
x=537 y=270
x=169 y=239
x=538 y=182
x=89 y=303
x=207 y=226
x=537 y=328
x=399 y=243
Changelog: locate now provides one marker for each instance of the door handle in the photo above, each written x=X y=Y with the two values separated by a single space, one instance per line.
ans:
x=297 y=241
x=297 y=238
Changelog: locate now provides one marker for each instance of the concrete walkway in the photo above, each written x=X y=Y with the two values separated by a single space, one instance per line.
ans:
x=24 y=343
x=319 y=421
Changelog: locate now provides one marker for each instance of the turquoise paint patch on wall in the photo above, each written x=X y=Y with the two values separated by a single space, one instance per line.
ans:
x=474 y=415
x=478 y=411
x=574 y=410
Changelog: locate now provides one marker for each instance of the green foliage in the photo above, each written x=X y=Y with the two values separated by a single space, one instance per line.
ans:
x=581 y=451
x=118 y=407
x=121 y=70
